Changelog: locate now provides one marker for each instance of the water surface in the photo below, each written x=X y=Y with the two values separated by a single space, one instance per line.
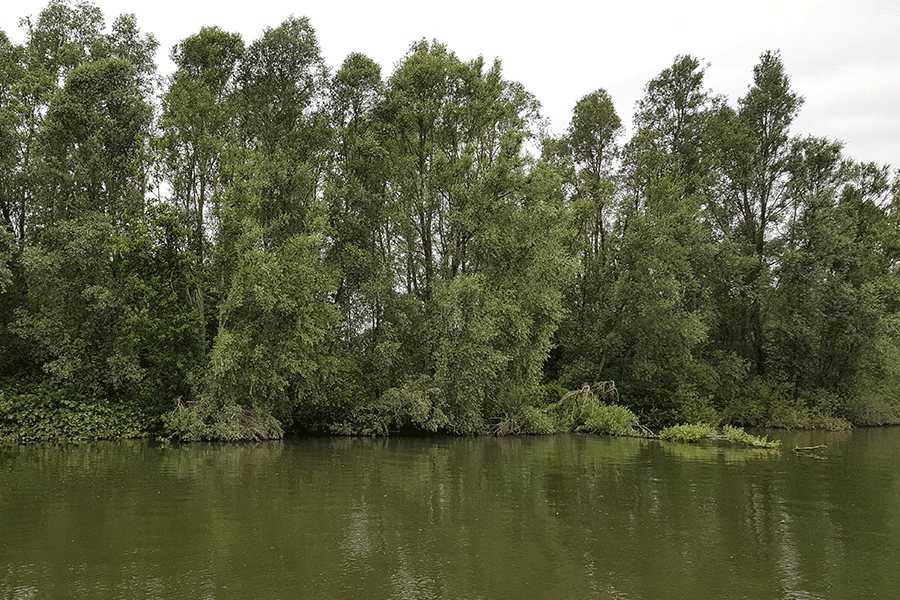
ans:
x=557 y=517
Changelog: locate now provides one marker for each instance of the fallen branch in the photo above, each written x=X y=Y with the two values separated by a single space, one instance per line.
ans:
x=809 y=448
x=809 y=451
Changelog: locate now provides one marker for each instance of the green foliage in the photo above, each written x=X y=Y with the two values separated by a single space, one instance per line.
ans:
x=537 y=414
x=74 y=310
x=638 y=312
x=198 y=119
x=538 y=421
x=365 y=254
x=37 y=414
x=416 y=406
x=871 y=410
x=452 y=257
x=694 y=432
x=419 y=403
x=579 y=410
x=102 y=314
x=273 y=319
x=91 y=143
x=611 y=420
x=687 y=432
x=7 y=246
x=547 y=394
x=578 y=405
x=754 y=200
x=739 y=436
x=225 y=421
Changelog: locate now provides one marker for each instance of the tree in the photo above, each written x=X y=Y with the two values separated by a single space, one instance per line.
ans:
x=755 y=149
x=476 y=242
x=589 y=152
x=592 y=138
x=831 y=330
x=57 y=41
x=11 y=74
x=91 y=144
x=669 y=125
x=657 y=311
x=356 y=194
x=198 y=120
x=86 y=297
x=275 y=311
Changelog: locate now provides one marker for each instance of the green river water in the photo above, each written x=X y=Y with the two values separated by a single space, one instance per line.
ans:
x=559 y=517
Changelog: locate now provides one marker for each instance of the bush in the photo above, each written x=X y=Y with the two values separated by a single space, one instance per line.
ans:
x=205 y=420
x=536 y=421
x=737 y=435
x=41 y=415
x=771 y=403
x=576 y=406
x=688 y=432
x=611 y=419
x=692 y=407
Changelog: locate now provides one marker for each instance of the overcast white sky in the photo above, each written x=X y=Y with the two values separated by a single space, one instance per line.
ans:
x=842 y=56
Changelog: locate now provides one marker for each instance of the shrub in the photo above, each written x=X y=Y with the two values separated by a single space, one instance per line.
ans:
x=611 y=419
x=536 y=421
x=41 y=415
x=688 y=432
x=872 y=413
x=739 y=436
x=230 y=422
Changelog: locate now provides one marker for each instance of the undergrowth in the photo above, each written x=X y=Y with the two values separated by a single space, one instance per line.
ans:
x=38 y=416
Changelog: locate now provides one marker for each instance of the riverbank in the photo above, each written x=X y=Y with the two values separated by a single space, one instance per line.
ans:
x=29 y=414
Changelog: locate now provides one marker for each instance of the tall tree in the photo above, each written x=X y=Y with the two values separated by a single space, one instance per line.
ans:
x=12 y=72
x=276 y=310
x=90 y=198
x=58 y=40
x=91 y=144
x=833 y=308
x=198 y=120
x=589 y=154
x=356 y=194
x=477 y=247
x=592 y=135
x=657 y=312
x=756 y=149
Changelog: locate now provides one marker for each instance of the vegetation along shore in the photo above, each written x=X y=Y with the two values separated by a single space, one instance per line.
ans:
x=260 y=245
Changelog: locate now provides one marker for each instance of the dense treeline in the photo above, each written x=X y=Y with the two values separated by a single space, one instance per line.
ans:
x=258 y=243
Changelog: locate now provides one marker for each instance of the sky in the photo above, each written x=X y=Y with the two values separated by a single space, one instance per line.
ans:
x=843 y=57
